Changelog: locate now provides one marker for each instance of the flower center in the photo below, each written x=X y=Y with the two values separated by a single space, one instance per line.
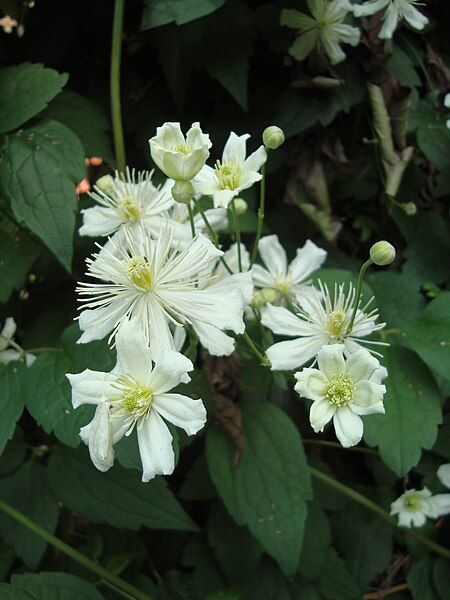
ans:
x=140 y=273
x=340 y=390
x=136 y=400
x=228 y=174
x=284 y=287
x=412 y=502
x=183 y=148
x=130 y=208
x=335 y=322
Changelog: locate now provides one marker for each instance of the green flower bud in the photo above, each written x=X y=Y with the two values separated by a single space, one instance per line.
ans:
x=409 y=208
x=264 y=296
x=240 y=206
x=273 y=137
x=183 y=192
x=382 y=253
x=105 y=184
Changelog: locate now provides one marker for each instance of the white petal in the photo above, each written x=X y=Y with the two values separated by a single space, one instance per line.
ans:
x=8 y=331
x=379 y=375
x=133 y=353
x=100 y=221
x=182 y=411
x=331 y=360
x=292 y=354
x=89 y=387
x=256 y=160
x=222 y=198
x=440 y=504
x=348 y=427
x=168 y=371
x=390 y=23
x=443 y=474
x=213 y=339
x=320 y=414
x=361 y=365
x=273 y=255
x=282 y=321
x=311 y=384
x=414 y=17
x=262 y=277
x=308 y=259
x=98 y=436
x=97 y=323
x=369 y=8
x=368 y=398
x=205 y=182
x=235 y=148
x=155 y=447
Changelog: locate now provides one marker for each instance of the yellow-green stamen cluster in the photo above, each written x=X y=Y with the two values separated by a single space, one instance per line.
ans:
x=335 y=322
x=183 y=148
x=340 y=390
x=284 y=287
x=412 y=502
x=140 y=273
x=130 y=209
x=228 y=174
x=136 y=400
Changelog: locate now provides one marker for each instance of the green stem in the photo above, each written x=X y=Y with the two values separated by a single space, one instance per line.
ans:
x=335 y=445
x=237 y=233
x=262 y=201
x=369 y=504
x=212 y=233
x=116 y=110
x=362 y=272
x=128 y=590
x=191 y=219
x=264 y=361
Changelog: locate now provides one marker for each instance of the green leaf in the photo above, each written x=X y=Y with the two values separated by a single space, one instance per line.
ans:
x=420 y=581
x=18 y=252
x=336 y=582
x=48 y=586
x=116 y=497
x=413 y=412
x=39 y=191
x=28 y=491
x=11 y=399
x=430 y=335
x=161 y=12
x=441 y=577
x=432 y=133
x=268 y=489
x=25 y=90
x=198 y=484
x=316 y=544
x=400 y=66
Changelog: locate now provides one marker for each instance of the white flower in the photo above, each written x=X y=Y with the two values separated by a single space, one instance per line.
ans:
x=233 y=173
x=343 y=390
x=7 y=351
x=396 y=10
x=287 y=280
x=136 y=394
x=178 y=157
x=320 y=321
x=130 y=200
x=443 y=474
x=8 y=24
x=414 y=506
x=178 y=221
x=323 y=31
x=156 y=284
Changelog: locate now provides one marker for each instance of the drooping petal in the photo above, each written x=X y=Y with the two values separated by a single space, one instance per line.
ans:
x=155 y=447
x=331 y=360
x=134 y=356
x=291 y=354
x=282 y=321
x=308 y=259
x=369 y=8
x=311 y=383
x=8 y=331
x=273 y=255
x=90 y=387
x=320 y=414
x=168 y=371
x=98 y=436
x=348 y=427
x=182 y=411
x=368 y=398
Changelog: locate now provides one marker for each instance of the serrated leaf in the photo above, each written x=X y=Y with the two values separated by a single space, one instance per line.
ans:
x=268 y=489
x=25 y=90
x=28 y=491
x=48 y=586
x=117 y=497
x=40 y=193
x=11 y=399
x=161 y=12
x=413 y=412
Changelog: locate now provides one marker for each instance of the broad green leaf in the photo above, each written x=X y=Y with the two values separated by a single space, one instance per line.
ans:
x=336 y=582
x=268 y=489
x=28 y=491
x=117 y=497
x=420 y=582
x=161 y=12
x=48 y=586
x=198 y=484
x=400 y=66
x=441 y=577
x=316 y=545
x=11 y=399
x=39 y=191
x=430 y=335
x=18 y=253
x=25 y=90
x=413 y=412
x=206 y=575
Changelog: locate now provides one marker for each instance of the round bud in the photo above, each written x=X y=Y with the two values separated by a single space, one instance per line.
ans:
x=240 y=206
x=105 y=184
x=273 y=137
x=447 y=101
x=382 y=253
x=409 y=208
x=183 y=192
x=264 y=296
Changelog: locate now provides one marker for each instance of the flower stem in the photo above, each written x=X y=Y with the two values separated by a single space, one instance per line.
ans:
x=191 y=219
x=237 y=233
x=327 y=444
x=116 y=110
x=362 y=272
x=357 y=497
x=212 y=233
x=264 y=361
x=262 y=201
x=120 y=585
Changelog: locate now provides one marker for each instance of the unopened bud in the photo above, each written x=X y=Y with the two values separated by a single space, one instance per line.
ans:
x=382 y=253
x=183 y=192
x=409 y=208
x=273 y=137
x=105 y=184
x=264 y=296
x=240 y=206
x=447 y=101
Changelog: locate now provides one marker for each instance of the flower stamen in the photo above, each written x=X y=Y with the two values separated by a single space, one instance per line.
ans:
x=340 y=390
x=228 y=174
x=140 y=273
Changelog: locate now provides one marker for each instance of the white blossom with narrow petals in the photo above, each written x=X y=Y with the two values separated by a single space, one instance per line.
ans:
x=395 y=11
x=343 y=390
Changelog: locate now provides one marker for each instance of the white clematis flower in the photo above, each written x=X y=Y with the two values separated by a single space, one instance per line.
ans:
x=155 y=284
x=396 y=11
x=319 y=321
x=129 y=201
x=7 y=352
x=233 y=173
x=414 y=506
x=343 y=390
x=178 y=157
x=137 y=394
x=288 y=281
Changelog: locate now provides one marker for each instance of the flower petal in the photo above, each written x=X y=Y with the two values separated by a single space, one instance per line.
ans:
x=217 y=342
x=311 y=384
x=273 y=255
x=182 y=411
x=90 y=387
x=320 y=414
x=308 y=259
x=235 y=148
x=440 y=504
x=282 y=321
x=443 y=474
x=155 y=447
x=133 y=353
x=331 y=360
x=168 y=371
x=361 y=365
x=98 y=436
x=292 y=354
x=348 y=427
x=368 y=398
x=256 y=160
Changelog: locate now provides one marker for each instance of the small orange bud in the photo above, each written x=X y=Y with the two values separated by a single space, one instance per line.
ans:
x=83 y=187
x=96 y=161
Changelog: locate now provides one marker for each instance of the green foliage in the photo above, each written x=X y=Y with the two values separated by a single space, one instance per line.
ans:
x=161 y=12
x=11 y=399
x=48 y=586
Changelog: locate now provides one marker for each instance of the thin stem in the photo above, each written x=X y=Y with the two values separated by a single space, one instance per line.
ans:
x=116 y=108
x=336 y=446
x=212 y=233
x=357 y=497
x=262 y=201
x=13 y=344
x=237 y=233
x=264 y=361
x=362 y=272
x=191 y=219
x=120 y=585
